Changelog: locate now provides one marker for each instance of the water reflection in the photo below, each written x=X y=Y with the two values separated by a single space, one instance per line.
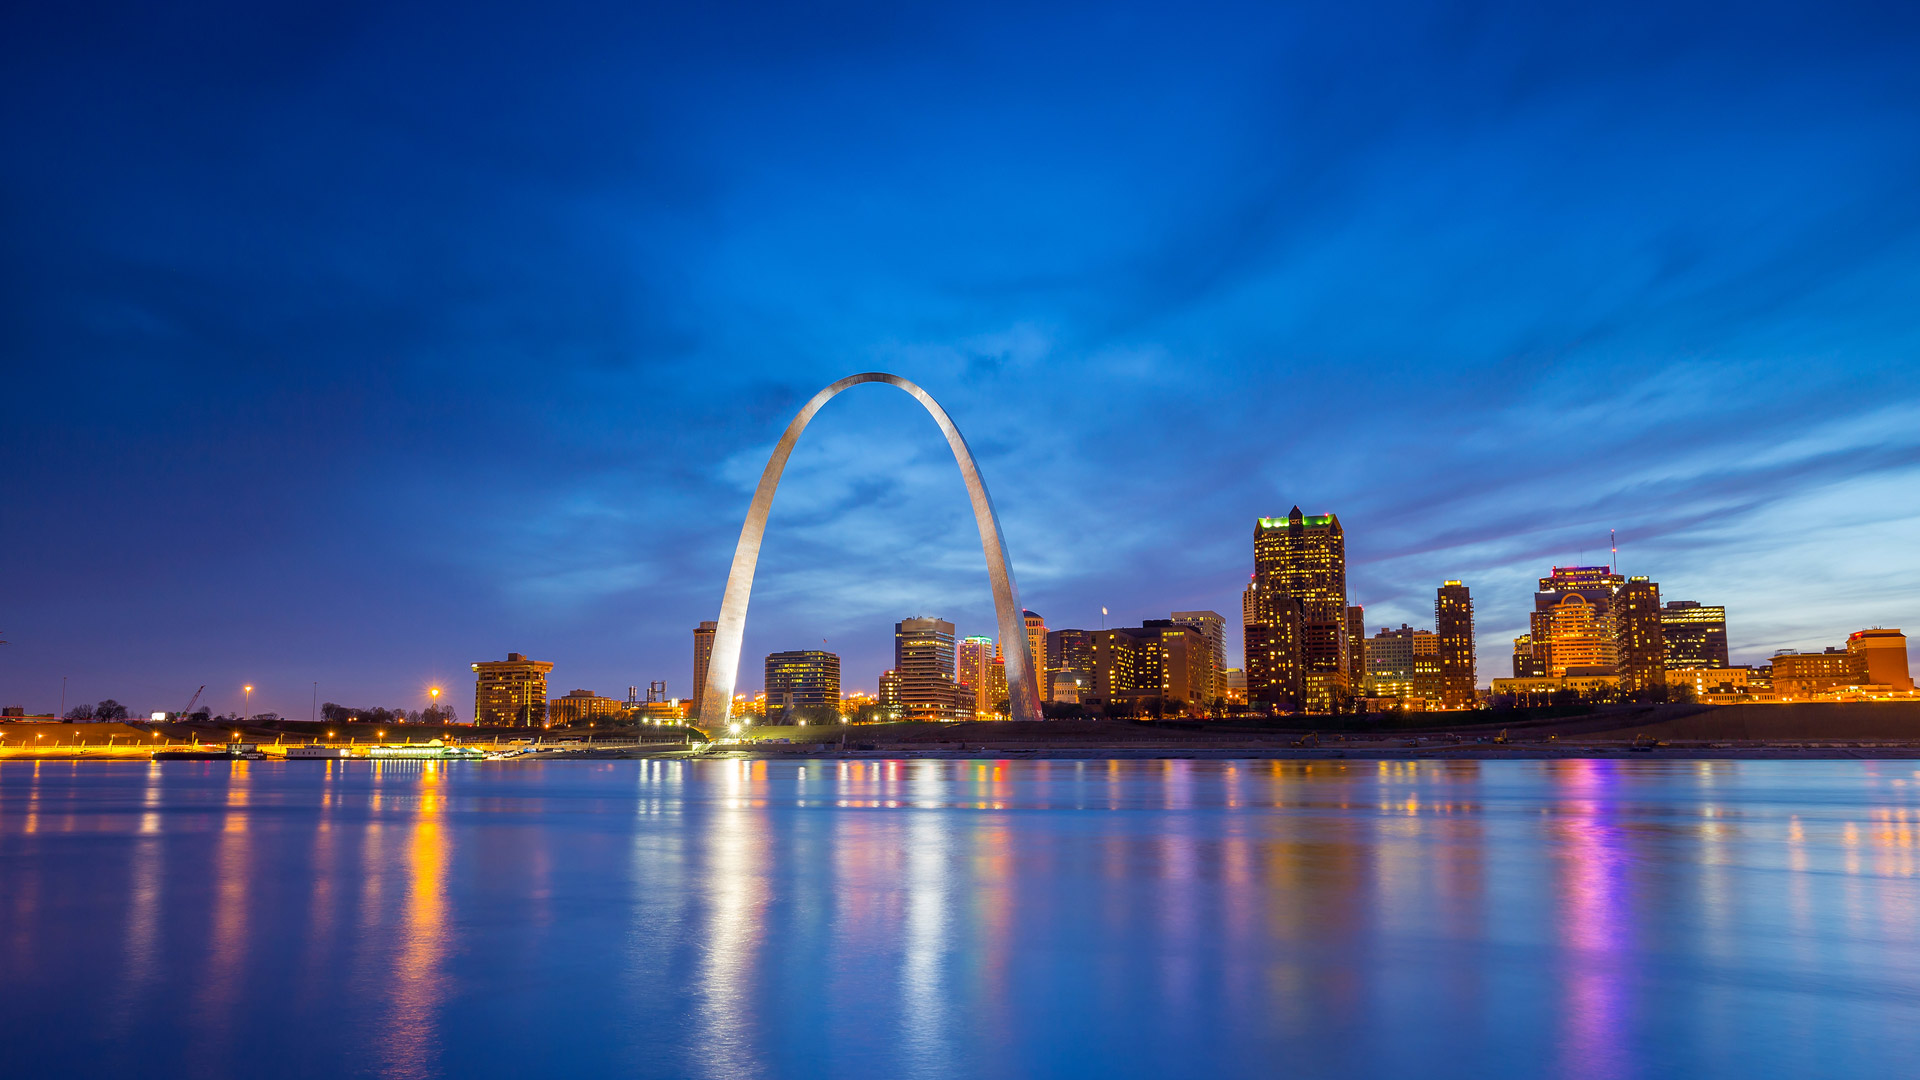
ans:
x=963 y=918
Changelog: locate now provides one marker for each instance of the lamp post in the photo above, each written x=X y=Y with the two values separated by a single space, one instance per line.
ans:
x=246 y=706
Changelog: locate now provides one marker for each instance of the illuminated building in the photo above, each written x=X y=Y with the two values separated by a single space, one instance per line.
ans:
x=1356 y=646
x=924 y=662
x=977 y=657
x=1275 y=679
x=1641 y=655
x=702 y=655
x=510 y=692
x=1696 y=635
x=1573 y=627
x=1212 y=626
x=1300 y=572
x=1158 y=661
x=1391 y=667
x=1885 y=656
x=581 y=706
x=1453 y=636
x=1801 y=676
x=802 y=685
x=1070 y=665
x=1708 y=683
x=1037 y=645
x=889 y=694
x=1234 y=686
x=1527 y=663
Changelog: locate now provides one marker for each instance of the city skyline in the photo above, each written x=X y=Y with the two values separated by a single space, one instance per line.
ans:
x=350 y=405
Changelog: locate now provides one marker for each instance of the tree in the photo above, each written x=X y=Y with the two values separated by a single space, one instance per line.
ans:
x=80 y=712
x=109 y=710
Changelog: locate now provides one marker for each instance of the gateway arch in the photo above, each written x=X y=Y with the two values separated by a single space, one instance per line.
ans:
x=723 y=668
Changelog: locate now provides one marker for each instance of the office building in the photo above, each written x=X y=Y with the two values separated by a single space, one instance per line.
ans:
x=1641 y=655
x=1070 y=665
x=1213 y=627
x=924 y=659
x=983 y=670
x=1356 y=647
x=802 y=685
x=1884 y=654
x=1302 y=560
x=510 y=692
x=1275 y=676
x=1391 y=656
x=1695 y=634
x=1453 y=634
x=702 y=656
x=1801 y=676
x=1527 y=662
x=1573 y=628
x=1037 y=645
x=584 y=707
x=1159 y=664
x=889 y=694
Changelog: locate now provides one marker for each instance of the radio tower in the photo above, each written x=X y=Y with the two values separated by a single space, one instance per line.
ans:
x=1614 y=566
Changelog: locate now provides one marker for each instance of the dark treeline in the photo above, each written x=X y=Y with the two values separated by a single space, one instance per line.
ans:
x=342 y=714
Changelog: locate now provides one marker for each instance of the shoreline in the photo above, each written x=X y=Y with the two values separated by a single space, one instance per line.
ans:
x=1355 y=750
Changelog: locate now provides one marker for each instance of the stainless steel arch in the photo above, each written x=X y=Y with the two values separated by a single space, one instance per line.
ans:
x=724 y=666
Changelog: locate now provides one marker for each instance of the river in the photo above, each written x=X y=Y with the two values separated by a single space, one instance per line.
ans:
x=728 y=918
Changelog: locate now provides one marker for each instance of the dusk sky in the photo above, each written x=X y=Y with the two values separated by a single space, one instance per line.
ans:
x=350 y=344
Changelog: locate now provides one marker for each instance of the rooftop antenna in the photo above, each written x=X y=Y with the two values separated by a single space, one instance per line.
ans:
x=1614 y=566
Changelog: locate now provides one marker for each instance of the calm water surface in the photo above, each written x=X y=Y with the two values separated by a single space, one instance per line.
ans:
x=954 y=918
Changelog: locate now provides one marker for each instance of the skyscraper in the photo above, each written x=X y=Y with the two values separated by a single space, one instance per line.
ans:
x=923 y=658
x=1391 y=656
x=1883 y=654
x=985 y=673
x=1037 y=643
x=1356 y=647
x=1070 y=665
x=1642 y=662
x=702 y=655
x=510 y=692
x=1696 y=635
x=1212 y=626
x=1453 y=631
x=1304 y=559
x=1573 y=625
x=1275 y=679
x=1160 y=663
x=802 y=685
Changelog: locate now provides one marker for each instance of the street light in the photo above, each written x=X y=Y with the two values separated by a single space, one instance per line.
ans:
x=246 y=708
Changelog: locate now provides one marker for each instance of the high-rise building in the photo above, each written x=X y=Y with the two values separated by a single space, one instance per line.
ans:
x=1573 y=626
x=1160 y=661
x=1453 y=633
x=1884 y=654
x=1037 y=643
x=923 y=655
x=1212 y=626
x=510 y=692
x=1304 y=560
x=984 y=673
x=1356 y=647
x=702 y=656
x=1641 y=654
x=1391 y=662
x=1275 y=675
x=889 y=694
x=1527 y=663
x=1696 y=635
x=1070 y=665
x=802 y=685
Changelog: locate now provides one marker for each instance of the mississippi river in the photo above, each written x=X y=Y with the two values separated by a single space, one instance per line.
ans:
x=960 y=919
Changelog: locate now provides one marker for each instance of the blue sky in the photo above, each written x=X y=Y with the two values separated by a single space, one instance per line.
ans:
x=351 y=344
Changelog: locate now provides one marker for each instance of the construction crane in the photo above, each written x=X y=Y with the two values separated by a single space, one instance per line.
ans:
x=188 y=711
